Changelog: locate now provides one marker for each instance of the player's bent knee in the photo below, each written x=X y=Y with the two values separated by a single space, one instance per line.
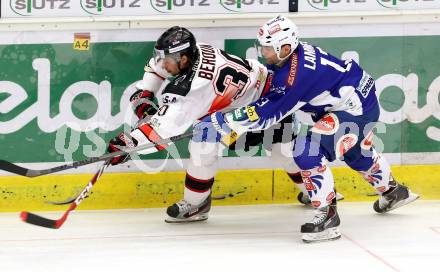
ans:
x=307 y=162
x=352 y=155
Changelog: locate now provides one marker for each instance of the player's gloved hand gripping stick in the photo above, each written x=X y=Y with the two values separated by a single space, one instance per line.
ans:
x=56 y=224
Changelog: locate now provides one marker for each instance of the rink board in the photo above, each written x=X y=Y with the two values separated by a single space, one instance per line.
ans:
x=65 y=104
x=236 y=187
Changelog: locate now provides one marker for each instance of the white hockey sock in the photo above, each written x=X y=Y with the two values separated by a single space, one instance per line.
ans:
x=379 y=174
x=320 y=185
x=195 y=198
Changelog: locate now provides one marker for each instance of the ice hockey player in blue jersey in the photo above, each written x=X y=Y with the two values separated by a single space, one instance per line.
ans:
x=340 y=97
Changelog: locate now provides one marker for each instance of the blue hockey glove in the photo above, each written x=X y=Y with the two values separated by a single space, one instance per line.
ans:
x=213 y=129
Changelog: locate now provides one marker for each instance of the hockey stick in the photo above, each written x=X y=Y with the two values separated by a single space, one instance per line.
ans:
x=30 y=173
x=37 y=220
x=65 y=202
x=217 y=197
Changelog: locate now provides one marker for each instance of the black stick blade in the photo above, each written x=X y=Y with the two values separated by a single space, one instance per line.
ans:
x=38 y=220
x=65 y=202
x=12 y=168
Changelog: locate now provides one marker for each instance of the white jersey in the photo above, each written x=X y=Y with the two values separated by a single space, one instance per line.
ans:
x=217 y=81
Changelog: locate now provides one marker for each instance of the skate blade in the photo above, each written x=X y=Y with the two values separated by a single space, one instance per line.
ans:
x=339 y=196
x=196 y=218
x=323 y=236
x=412 y=197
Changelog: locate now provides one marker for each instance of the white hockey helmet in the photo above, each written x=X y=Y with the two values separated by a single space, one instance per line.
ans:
x=277 y=32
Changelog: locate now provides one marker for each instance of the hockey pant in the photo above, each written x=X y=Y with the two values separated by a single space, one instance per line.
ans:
x=340 y=135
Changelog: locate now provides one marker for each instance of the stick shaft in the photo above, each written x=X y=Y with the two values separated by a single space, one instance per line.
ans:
x=22 y=171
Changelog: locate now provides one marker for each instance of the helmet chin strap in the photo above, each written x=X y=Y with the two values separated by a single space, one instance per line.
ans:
x=178 y=60
x=283 y=60
x=184 y=69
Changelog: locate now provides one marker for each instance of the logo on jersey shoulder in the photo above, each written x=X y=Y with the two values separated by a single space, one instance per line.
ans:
x=345 y=143
x=327 y=125
x=365 y=84
x=293 y=69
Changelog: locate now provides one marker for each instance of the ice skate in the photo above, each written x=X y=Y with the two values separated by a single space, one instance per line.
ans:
x=183 y=212
x=323 y=227
x=397 y=196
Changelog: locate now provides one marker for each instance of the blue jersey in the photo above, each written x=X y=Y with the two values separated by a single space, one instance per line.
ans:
x=313 y=81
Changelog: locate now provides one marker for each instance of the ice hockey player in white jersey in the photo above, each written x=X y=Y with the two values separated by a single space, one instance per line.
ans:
x=191 y=80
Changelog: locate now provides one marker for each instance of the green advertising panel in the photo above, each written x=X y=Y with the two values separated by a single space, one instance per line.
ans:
x=46 y=90
x=58 y=103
